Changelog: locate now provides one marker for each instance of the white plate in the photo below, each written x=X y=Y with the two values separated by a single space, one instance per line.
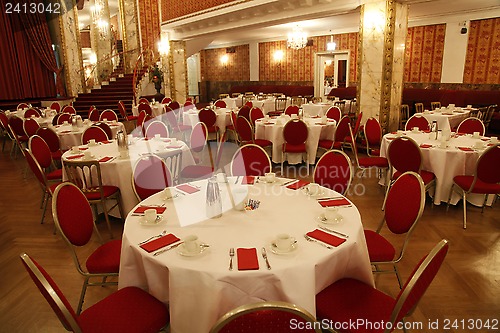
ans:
x=181 y=249
x=263 y=179
x=159 y=220
x=274 y=249
x=321 y=218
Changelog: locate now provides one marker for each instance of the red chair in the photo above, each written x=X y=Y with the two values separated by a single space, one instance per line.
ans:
x=105 y=127
x=471 y=125
x=347 y=300
x=404 y=205
x=373 y=136
x=108 y=115
x=419 y=121
x=56 y=119
x=295 y=135
x=255 y=113
x=250 y=160
x=93 y=114
x=151 y=175
x=47 y=189
x=172 y=121
x=174 y=105
x=41 y=151
x=68 y=109
x=341 y=132
x=334 y=171
x=246 y=134
x=266 y=317
x=55 y=106
x=143 y=100
x=166 y=100
x=21 y=106
x=31 y=112
x=95 y=133
x=74 y=220
x=209 y=118
x=232 y=127
x=4 y=123
x=245 y=112
x=292 y=109
x=129 y=309
x=123 y=112
x=17 y=126
x=52 y=140
x=486 y=178
x=334 y=113
x=145 y=107
x=220 y=104
x=364 y=163
x=189 y=105
x=198 y=141
x=404 y=155
x=30 y=126
x=157 y=127
x=63 y=117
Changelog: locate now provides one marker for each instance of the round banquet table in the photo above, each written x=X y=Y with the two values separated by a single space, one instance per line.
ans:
x=70 y=136
x=118 y=171
x=445 y=163
x=272 y=130
x=203 y=288
x=223 y=118
x=316 y=109
x=446 y=118
x=157 y=109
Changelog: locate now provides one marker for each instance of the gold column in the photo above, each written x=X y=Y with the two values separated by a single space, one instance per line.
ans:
x=101 y=41
x=178 y=80
x=380 y=74
x=130 y=32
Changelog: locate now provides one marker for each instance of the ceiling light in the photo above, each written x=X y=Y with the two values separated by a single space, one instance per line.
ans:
x=331 y=45
x=297 y=39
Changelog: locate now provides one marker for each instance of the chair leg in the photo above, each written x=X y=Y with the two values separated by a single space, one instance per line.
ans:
x=398 y=276
x=82 y=295
x=386 y=192
x=107 y=218
x=47 y=197
x=464 y=197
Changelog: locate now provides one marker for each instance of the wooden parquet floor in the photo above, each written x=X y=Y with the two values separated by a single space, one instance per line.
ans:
x=467 y=287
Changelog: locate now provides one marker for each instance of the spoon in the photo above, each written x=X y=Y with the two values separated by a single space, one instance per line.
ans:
x=163 y=233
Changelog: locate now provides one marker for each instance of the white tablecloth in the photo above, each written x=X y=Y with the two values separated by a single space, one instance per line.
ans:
x=446 y=118
x=274 y=132
x=118 y=171
x=157 y=109
x=444 y=163
x=201 y=289
x=318 y=109
x=223 y=118
x=69 y=136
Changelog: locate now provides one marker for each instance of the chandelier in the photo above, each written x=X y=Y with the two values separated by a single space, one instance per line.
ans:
x=297 y=39
x=331 y=45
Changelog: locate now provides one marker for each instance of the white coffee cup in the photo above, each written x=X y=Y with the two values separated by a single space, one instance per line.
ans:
x=173 y=140
x=332 y=213
x=191 y=244
x=494 y=139
x=284 y=242
x=75 y=149
x=105 y=120
x=415 y=129
x=475 y=135
x=87 y=154
x=313 y=188
x=166 y=193
x=157 y=136
x=399 y=133
x=240 y=196
x=65 y=122
x=150 y=215
x=324 y=119
x=92 y=142
x=270 y=177
x=444 y=144
x=469 y=106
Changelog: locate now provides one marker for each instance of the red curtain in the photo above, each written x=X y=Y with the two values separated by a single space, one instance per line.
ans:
x=22 y=74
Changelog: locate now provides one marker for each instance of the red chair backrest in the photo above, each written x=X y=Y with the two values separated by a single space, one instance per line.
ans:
x=17 y=125
x=50 y=137
x=141 y=118
x=156 y=127
x=31 y=112
x=419 y=121
x=334 y=113
x=334 y=171
x=198 y=138
x=220 y=104
x=21 y=106
x=30 y=126
x=55 y=120
x=174 y=105
x=358 y=123
x=63 y=117
x=122 y=109
x=487 y=165
x=36 y=169
x=55 y=106
x=404 y=203
x=94 y=132
x=245 y=112
x=188 y=106
x=151 y=175
x=68 y=109
x=256 y=113
x=234 y=117
x=40 y=150
x=373 y=132
x=105 y=127
x=250 y=160
x=244 y=129
x=94 y=114
x=145 y=107
x=143 y=100
x=342 y=129
x=208 y=117
x=292 y=109
x=249 y=104
x=108 y=115
x=295 y=132
x=471 y=125
x=166 y=100
x=404 y=155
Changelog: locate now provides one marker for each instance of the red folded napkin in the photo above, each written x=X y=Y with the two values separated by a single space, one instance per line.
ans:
x=321 y=124
x=465 y=149
x=74 y=156
x=326 y=237
x=425 y=145
x=334 y=202
x=142 y=209
x=459 y=134
x=485 y=139
x=248 y=180
x=83 y=148
x=105 y=142
x=297 y=185
x=105 y=159
x=426 y=131
x=64 y=132
x=268 y=123
x=187 y=188
x=160 y=242
x=247 y=259
x=391 y=138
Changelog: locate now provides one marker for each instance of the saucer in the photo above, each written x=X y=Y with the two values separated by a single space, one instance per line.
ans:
x=181 y=249
x=274 y=249
x=172 y=197
x=263 y=179
x=320 y=192
x=159 y=220
x=321 y=218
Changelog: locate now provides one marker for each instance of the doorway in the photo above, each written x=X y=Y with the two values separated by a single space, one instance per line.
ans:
x=331 y=70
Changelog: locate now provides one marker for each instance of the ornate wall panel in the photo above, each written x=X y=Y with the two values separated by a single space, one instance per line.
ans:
x=150 y=23
x=482 y=62
x=172 y=9
x=236 y=69
x=424 y=53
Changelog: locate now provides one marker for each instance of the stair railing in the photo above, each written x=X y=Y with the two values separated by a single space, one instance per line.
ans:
x=146 y=58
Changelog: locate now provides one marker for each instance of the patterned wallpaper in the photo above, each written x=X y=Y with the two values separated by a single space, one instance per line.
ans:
x=172 y=9
x=424 y=53
x=482 y=62
x=150 y=23
x=236 y=69
x=298 y=65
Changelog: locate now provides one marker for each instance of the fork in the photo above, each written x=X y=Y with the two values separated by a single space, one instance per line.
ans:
x=310 y=239
x=163 y=233
x=231 y=255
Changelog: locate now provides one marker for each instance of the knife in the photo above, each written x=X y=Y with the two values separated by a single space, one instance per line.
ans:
x=167 y=248
x=333 y=231
x=264 y=255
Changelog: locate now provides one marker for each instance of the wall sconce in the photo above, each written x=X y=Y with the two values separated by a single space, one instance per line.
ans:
x=163 y=47
x=224 y=59
x=278 y=56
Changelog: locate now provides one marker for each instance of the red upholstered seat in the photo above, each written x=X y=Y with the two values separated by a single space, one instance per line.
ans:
x=56 y=174
x=106 y=258
x=471 y=125
x=465 y=182
x=375 y=161
x=157 y=127
x=427 y=176
x=108 y=115
x=151 y=175
x=41 y=151
x=380 y=248
x=94 y=133
x=417 y=120
x=290 y=148
x=52 y=140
